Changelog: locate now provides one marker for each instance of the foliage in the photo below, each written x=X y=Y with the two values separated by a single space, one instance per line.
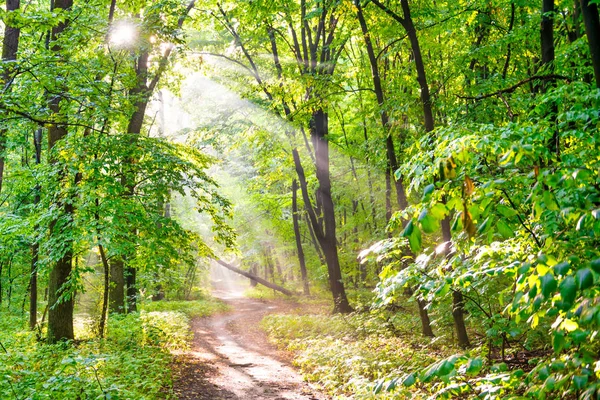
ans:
x=132 y=362
x=351 y=355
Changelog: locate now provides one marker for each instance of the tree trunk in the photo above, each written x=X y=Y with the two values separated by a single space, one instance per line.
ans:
x=591 y=20
x=60 y=313
x=547 y=45
x=319 y=131
x=105 y=291
x=255 y=278
x=299 y=249
x=10 y=46
x=35 y=248
x=457 y=297
x=116 y=293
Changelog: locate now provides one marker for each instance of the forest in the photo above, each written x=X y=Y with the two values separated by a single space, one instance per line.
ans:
x=402 y=197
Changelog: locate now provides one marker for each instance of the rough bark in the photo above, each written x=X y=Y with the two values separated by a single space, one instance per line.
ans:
x=10 y=47
x=591 y=20
x=547 y=49
x=319 y=131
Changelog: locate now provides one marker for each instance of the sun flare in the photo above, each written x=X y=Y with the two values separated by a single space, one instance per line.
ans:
x=123 y=34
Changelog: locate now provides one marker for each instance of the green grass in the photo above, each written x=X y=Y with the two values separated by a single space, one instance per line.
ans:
x=132 y=362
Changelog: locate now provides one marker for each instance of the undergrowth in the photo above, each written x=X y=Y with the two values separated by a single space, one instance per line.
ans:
x=353 y=355
x=132 y=362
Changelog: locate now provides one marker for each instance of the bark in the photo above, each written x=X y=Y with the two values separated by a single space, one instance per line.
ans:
x=35 y=248
x=10 y=47
x=457 y=297
x=547 y=45
x=105 y=291
x=319 y=131
x=299 y=249
x=116 y=294
x=592 y=31
x=60 y=313
x=255 y=278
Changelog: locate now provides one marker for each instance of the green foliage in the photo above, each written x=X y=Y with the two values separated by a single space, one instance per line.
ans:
x=133 y=361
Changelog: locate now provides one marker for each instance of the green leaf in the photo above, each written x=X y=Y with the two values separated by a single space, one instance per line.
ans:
x=543 y=373
x=595 y=264
x=429 y=224
x=391 y=385
x=505 y=211
x=568 y=291
x=504 y=229
x=549 y=201
x=585 y=278
x=415 y=239
x=428 y=190
x=579 y=381
x=483 y=226
x=548 y=284
x=379 y=387
x=445 y=368
x=558 y=342
x=562 y=268
x=438 y=211
x=474 y=366
x=408 y=230
x=409 y=380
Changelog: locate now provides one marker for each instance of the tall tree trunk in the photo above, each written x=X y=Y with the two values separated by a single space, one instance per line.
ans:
x=591 y=20
x=60 y=313
x=547 y=45
x=299 y=249
x=319 y=131
x=10 y=47
x=35 y=248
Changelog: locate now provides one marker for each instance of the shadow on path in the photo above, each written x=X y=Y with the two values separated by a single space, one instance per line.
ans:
x=231 y=357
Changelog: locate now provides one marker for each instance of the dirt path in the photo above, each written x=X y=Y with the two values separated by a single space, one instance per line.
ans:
x=231 y=358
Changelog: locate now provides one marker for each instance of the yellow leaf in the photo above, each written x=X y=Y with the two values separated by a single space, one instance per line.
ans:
x=569 y=325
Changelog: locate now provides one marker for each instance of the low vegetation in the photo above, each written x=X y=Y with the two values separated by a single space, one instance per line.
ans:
x=131 y=362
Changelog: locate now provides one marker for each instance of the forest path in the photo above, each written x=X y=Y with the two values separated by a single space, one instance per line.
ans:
x=231 y=358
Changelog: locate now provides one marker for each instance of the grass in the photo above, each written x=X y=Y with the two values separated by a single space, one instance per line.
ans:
x=132 y=362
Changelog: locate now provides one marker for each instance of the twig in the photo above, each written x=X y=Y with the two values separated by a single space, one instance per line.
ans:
x=514 y=87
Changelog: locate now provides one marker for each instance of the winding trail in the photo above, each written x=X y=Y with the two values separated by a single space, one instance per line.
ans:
x=231 y=358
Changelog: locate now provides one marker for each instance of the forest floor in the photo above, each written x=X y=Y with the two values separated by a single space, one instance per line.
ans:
x=232 y=359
